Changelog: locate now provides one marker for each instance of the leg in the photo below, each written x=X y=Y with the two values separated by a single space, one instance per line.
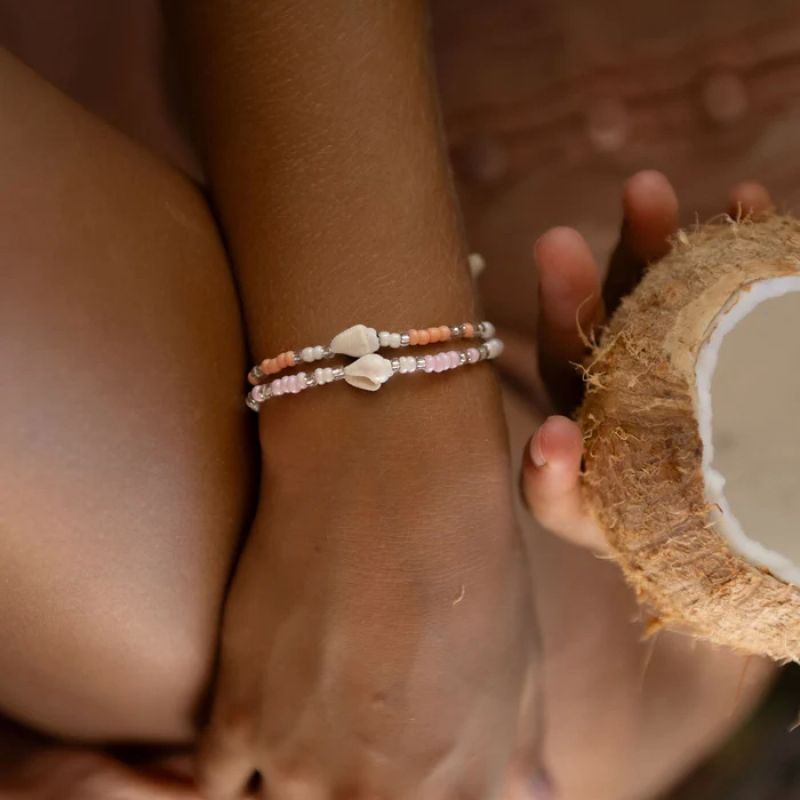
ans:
x=124 y=477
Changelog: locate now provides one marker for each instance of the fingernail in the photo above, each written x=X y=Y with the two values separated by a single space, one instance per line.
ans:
x=541 y=787
x=537 y=454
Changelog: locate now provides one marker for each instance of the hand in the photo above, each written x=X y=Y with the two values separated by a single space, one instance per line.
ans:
x=31 y=769
x=379 y=636
x=572 y=290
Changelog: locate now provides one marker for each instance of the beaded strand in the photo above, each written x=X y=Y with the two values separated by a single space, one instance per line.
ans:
x=360 y=340
x=370 y=372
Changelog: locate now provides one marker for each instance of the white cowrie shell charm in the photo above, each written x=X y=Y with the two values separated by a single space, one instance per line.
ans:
x=370 y=372
x=356 y=341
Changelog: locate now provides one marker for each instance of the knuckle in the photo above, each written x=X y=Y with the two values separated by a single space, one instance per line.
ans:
x=233 y=725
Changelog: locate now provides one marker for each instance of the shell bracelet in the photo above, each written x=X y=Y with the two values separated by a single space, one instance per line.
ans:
x=371 y=371
x=361 y=340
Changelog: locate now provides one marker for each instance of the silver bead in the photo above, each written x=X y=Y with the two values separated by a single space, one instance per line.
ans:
x=404 y=339
x=328 y=353
x=310 y=380
x=484 y=352
x=251 y=403
x=256 y=374
x=338 y=373
x=260 y=393
x=420 y=362
x=395 y=365
x=456 y=331
x=462 y=358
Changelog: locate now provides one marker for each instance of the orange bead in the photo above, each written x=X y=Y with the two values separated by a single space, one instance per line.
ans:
x=290 y=358
x=469 y=330
x=444 y=333
x=413 y=337
x=434 y=333
x=423 y=337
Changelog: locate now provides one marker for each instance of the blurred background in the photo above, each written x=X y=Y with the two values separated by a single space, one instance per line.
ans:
x=548 y=106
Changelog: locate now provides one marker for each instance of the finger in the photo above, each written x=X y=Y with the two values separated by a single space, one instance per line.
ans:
x=522 y=787
x=226 y=759
x=116 y=780
x=650 y=218
x=569 y=307
x=749 y=199
x=551 y=483
x=527 y=778
x=159 y=790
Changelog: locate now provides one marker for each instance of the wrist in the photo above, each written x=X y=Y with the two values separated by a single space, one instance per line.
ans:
x=421 y=419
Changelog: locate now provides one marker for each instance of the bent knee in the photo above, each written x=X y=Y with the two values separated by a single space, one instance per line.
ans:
x=125 y=468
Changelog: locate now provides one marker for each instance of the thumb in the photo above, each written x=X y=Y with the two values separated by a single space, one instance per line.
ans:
x=551 y=483
x=226 y=756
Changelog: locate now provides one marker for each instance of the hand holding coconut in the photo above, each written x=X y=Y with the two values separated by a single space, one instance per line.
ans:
x=689 y=569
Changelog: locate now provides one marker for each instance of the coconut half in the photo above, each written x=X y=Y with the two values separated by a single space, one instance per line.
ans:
x=692 y=426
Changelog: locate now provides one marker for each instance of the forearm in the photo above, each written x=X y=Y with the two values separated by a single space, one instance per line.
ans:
x=321 y=136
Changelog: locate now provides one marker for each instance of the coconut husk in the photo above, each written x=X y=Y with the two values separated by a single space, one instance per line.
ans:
x=643 y=477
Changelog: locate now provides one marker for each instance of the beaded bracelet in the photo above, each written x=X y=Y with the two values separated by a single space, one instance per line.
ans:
x=371 y=371
x=361 y=340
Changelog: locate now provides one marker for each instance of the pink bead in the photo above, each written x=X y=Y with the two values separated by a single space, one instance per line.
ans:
x=429 y=364
x=442 y=362
x=276 y=387
x=301 y=381
x=473 y=355
x=454 y=359
x=285 y=384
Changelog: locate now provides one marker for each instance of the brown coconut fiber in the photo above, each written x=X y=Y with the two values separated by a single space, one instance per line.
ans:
x=643 y=479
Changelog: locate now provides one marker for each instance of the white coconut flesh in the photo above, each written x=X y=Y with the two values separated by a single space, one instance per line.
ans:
x=748 y=410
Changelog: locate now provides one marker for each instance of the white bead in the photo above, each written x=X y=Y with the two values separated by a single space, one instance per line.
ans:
x=318 y=375
x=307 y=354
x=328 y=375
x=394 y=340
x=370 y=372
x=383 y=338
x=411 y=364
x=488 y=330
x=495 y=347
x=359 y=340
x=319 y=352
